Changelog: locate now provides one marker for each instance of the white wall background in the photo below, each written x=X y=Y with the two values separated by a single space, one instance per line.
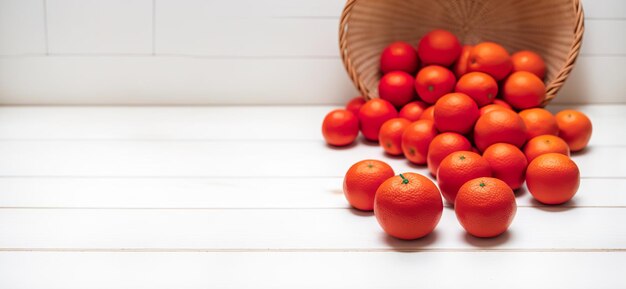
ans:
x=224 y=52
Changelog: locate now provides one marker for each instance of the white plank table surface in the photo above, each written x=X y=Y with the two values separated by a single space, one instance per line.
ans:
x=250 y=197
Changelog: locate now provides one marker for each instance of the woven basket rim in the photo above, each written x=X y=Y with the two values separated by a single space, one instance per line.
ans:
x=552 y=88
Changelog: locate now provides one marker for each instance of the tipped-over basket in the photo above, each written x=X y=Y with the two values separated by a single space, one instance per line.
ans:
x=552 y=28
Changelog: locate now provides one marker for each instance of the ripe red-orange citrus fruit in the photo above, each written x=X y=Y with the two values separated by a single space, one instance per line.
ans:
x=399 y=56
x=508 y=163
x=500 y=125
x=416 y=140
x=552 y=178
x=539 y=121
x=373 y=114
x=354 y=105
x=439 y=47
x=434 y=81
x=362 y=180
x=443 y=145
x=340 y=127
x=390 y=136
x=490 y=58
x=456 y=112
x=574 y=128
x=523 y=90
x=544 y=144
x=413 y=110
x=458 y=168
x=485 y=207
x=408 y=206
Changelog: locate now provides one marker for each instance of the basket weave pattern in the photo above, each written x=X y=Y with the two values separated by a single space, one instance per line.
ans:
x=552 y=28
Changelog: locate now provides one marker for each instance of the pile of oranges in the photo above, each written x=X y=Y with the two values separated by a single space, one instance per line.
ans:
x=473 y=116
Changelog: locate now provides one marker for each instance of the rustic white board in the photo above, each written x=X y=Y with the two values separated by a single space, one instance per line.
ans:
x=219 y=123
x=199 y=270
x=251 y=193
x=226 y=158
x=162 y=197
x=547 y=228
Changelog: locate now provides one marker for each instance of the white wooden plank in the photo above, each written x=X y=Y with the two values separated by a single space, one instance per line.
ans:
x=604 y=37
x=226 y=159
x=199 y=193
x=297 y=229
x=595 y=79
x=594 y=9
x=172 y=80
x=176 y=80
x=104 y=270
x=604 y=9
x=241 y=36
x=22 y=27
x=178 y=192
x=159 y=123
x=92 y=26
x=251 y=8
x=225 y=123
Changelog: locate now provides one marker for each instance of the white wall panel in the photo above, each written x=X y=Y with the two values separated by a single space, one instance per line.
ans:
x=94 y=26
x=218 y=37
x=22 y=27
x=224 y=52
x=172 y=80
x=191 y=80
x=246 y=8
x=605 y=9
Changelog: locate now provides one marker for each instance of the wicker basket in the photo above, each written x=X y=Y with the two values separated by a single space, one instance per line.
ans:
x=552 y=28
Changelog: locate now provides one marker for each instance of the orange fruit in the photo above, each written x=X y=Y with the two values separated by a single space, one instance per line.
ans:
x=485 y=207
x=390 y=135
x=527 y=60
x=455 y=112
x=439 y=47
x=538 y=122
x=490 y=58
x=408 y=206
x=458 y=168
x=397 y=87
x=552 y=178
x=413 y=110
x=480 y=86
x=502 y=103
x=544 y=144
x=373 y=114
x=399 y=56
x=508 y=163
x=460 y=66
x=501 y=125
x=443 y=145
x=354 y=105
x=574 y=128
x=362 y=180
x=416 y=139
x=523 y=90
x=434 y=81
x=490 y=107
x=429 y=113
x=340 y=127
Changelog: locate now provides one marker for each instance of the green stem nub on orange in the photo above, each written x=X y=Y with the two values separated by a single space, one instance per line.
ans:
x=404 y=180
x=482 y=185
